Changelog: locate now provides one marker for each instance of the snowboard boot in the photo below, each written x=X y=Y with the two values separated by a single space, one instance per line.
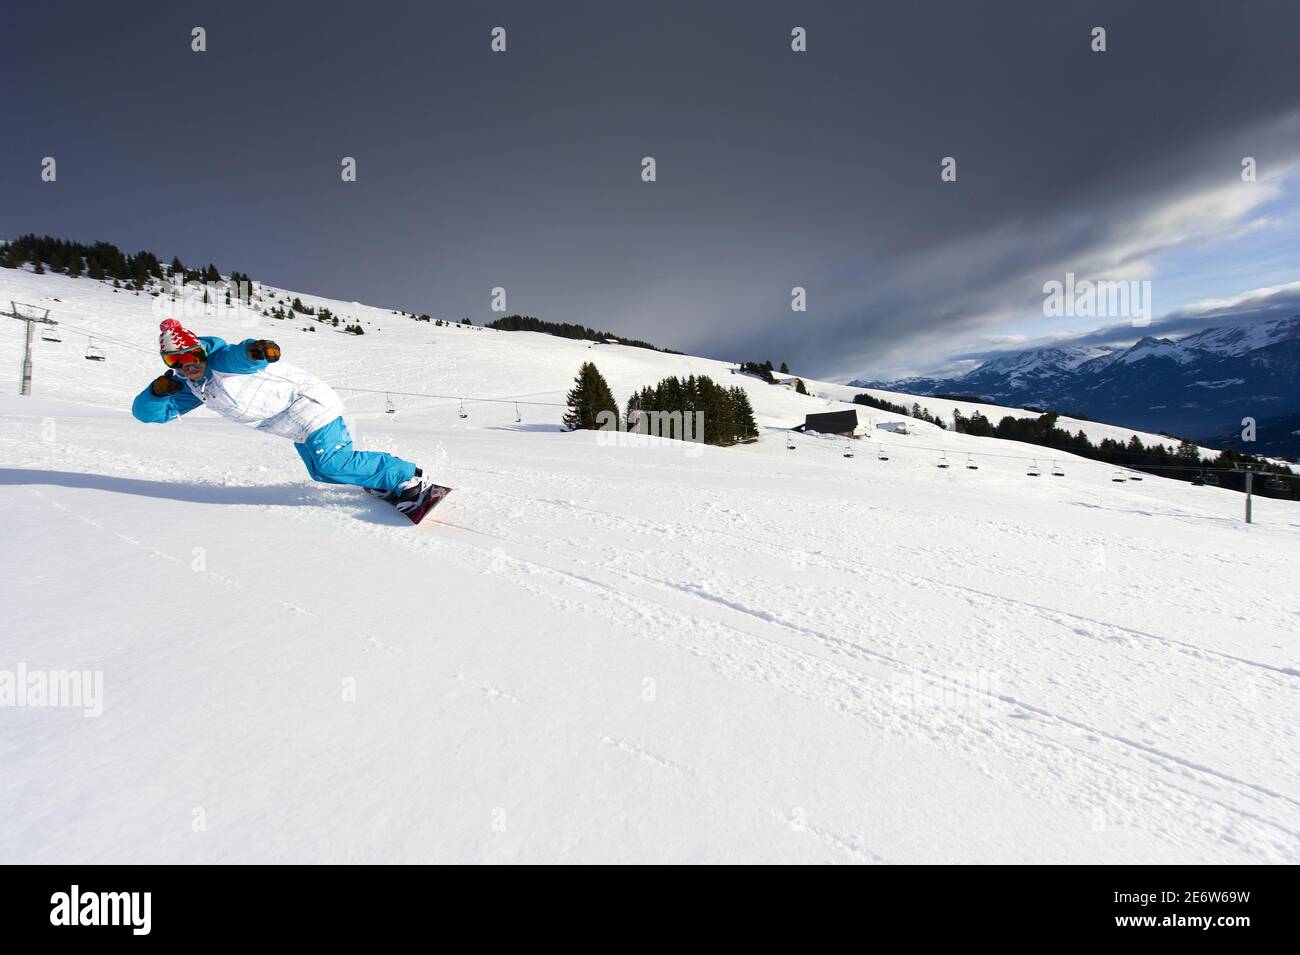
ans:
x=409 y=494
x=392 y=496
x=418 y=496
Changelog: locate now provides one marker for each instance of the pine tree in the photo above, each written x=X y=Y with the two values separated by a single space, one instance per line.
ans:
x=1188 y=452
x=588 y=398
x=719 y=413
x=744 y=414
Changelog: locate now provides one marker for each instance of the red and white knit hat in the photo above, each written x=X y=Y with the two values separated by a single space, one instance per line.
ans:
x=176 y=338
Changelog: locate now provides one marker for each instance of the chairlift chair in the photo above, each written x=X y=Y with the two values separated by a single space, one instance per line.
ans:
x=1211 y=479
x=789 y=442
x=848 y=450
x=389 y=407
x=518 y=416
x=1134 y=476
x=1276 y=484
x=1033 y=470
x=461 y=410
x=943 y=461
x=50 y=334
x=93 y=351
x=1056 y=470
x=880 y=453
x=1118 y=477
x=970 y=464
x=1198 y=481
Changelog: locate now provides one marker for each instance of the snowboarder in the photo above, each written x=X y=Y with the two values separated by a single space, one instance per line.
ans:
x=235 y=381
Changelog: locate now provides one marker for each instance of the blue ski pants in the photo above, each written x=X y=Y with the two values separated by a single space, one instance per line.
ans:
x=330 y=457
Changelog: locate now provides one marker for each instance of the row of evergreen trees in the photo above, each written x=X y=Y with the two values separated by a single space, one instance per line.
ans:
x=728 y=416
x=764 y=369
x=527 y=323
x=101 y=261
x=1183 y=463
x=916 y=411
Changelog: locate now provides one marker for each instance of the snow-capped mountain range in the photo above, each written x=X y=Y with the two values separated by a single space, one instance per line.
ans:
x=1199 y=385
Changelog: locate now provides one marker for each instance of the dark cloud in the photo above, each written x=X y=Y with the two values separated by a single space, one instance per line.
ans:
x=775 y=169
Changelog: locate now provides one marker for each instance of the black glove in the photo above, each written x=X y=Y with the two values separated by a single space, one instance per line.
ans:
x=165 y=385
x=263 y=350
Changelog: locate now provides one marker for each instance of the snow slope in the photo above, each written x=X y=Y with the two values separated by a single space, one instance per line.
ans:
x=602 y=652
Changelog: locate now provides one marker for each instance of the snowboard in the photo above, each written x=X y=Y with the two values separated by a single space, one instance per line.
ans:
x=432 y=497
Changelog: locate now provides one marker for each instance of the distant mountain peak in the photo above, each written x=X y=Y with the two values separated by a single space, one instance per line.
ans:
x=1151 y=347
x=1198 y=385
x=1239 y=339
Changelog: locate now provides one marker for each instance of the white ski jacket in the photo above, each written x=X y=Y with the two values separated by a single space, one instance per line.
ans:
x=277 y=398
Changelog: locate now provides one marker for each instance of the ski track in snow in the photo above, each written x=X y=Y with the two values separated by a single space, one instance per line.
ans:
x=840 y=646
x=632 y=749
x=587 y=580
x=976 y=597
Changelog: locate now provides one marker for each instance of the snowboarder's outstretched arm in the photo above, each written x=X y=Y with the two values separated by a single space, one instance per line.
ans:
x=248 y=356
x=164 y=399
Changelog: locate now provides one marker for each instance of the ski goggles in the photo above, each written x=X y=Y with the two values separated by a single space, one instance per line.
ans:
x=177 y=359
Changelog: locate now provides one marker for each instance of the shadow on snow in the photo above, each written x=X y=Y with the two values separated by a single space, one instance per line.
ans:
x=275 y=495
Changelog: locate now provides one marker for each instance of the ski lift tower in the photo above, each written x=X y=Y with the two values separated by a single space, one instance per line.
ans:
x=31 y=314
x=1249 y=470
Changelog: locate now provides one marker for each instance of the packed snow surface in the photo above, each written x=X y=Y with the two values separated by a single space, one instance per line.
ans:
x=601 y=651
